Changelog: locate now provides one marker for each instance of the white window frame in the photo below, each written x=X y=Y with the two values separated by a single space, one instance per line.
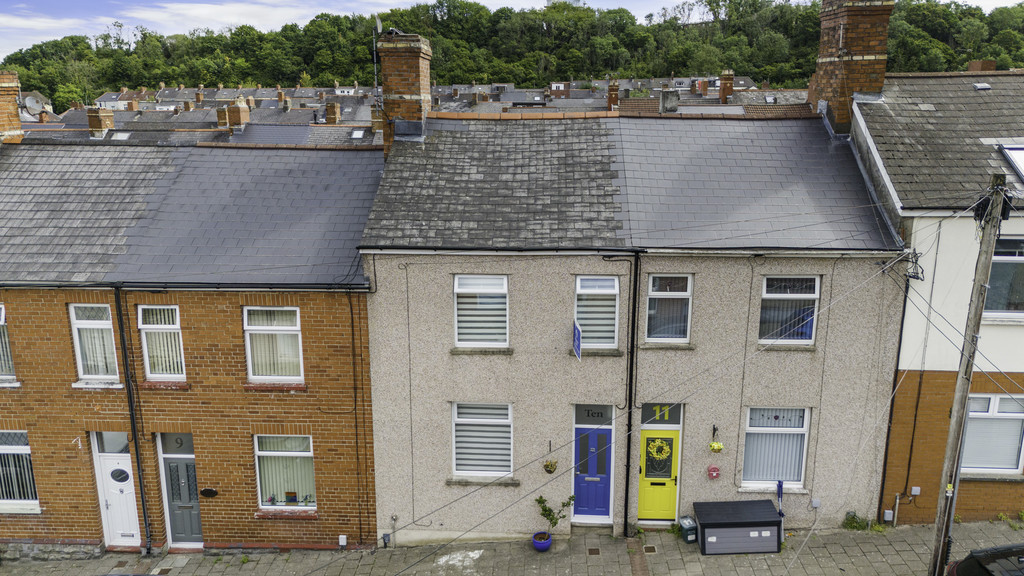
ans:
x=257 y=453
x=145 y=329
x=297 y=329
x=459 y=290
x=687 y=294
x=591 y=291
x=993 y=413
x=101 y=380
x=814 y=319
x=805 y=431
x=1019 y=260
x=20 y=506
x=484 y=421
x=7 y=380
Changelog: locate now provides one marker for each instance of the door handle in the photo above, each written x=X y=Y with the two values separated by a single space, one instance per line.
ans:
x=107 y=502
x=675 y=480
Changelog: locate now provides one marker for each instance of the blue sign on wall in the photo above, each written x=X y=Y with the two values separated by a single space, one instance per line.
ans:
x=577 y=339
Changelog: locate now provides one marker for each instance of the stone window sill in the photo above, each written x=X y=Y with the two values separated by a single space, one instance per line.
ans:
x=610 y=352
x=667 y=346
x=771 y=490
x=976 y=477
x=275 y=514
x=94 y=385
x=274 y=386
x=481 y=351
x=10 y=384
x=153 y=385
x=17 y=508
x=481 y=481
x=1006 y=319
x=785 y=347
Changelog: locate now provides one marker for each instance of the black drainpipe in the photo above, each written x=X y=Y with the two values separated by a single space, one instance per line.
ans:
x=630 y=382
x=128 y=385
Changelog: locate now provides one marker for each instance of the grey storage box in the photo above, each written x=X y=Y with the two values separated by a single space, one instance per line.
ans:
x=740 y=527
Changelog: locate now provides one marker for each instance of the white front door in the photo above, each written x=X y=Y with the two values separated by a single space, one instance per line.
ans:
x=116 y=483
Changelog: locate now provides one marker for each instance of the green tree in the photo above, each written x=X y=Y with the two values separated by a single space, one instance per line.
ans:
x=65 y=96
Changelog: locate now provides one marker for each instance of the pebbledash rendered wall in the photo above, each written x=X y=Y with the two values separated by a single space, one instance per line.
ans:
x=418 y=373
x=216 y=405
x=844 y=378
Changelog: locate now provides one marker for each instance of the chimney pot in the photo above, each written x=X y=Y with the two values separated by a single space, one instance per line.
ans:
x=220 y=86
x=162 y=85
x=181 y=86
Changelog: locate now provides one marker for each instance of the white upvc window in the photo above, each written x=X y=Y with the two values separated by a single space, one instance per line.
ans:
x=789 y=307
x=93 y=334
x=6 y=360
x=597 y=311
x=284 y=471
x=1005 y=297
x=481 y=310
x=273 y=344
x=775 y=446
x=668 y=307
x=482 y=439
x=17 y=482
x=162 y=352
x=994 y=434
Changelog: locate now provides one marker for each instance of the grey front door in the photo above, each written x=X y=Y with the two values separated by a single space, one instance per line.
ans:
x=182 y=499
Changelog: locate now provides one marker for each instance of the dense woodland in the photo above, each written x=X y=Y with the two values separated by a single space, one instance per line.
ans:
x=772 y=40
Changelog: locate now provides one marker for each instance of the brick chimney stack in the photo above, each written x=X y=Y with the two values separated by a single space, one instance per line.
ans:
x=238 y=115
x=405 y=70
x=333 y=113
x=10 y=121
x=725 y=84
x=851 y=55
x=100 y=120
x=613 y=95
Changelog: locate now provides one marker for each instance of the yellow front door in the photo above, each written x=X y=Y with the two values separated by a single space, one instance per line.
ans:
x=658 y=474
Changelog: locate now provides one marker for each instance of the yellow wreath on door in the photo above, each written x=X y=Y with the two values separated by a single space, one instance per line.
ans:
x=659 y=449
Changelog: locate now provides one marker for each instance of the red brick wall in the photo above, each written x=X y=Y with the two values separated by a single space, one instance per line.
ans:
x=216 y=408
x=977 y=500
x=851 y=55
x=10 y=122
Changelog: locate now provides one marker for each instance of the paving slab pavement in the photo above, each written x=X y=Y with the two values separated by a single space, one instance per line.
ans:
x=902 y=550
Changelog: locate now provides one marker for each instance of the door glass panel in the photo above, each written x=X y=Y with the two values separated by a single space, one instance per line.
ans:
x=173 y=482
x=112 y=442
x=583 y=446
x=177 y=443
x=602 y=459
x=658 y=454
x=120 y=475
x=193 y=490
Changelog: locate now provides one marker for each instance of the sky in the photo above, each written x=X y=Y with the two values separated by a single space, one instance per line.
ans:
x=26 y=22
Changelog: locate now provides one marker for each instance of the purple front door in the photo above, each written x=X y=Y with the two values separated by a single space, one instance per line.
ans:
x=593 y=472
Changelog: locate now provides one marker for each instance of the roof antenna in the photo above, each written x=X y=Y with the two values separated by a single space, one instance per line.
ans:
x=376 y=32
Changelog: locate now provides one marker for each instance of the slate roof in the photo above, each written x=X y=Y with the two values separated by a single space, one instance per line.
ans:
x=625 y=183
x=163 y=215
x=938 y=137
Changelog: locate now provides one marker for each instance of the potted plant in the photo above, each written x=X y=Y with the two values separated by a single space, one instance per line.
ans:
x=716 y=446
x=542 y=540
x=550 y=466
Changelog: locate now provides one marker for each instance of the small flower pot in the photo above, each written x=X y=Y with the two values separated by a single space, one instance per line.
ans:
x=542 y=541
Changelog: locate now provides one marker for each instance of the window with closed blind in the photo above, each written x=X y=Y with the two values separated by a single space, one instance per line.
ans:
x=284 y=471
x=482 y=439
x=994 y=434
x=597 y=311
x=273 y=344
x=481 y=310
x=6 y=361
x=789 y=307
x=17 y=483
x=161 y=343
x=775 y=446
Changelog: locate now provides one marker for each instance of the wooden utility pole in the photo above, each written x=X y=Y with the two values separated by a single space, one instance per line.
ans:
x=990 y=220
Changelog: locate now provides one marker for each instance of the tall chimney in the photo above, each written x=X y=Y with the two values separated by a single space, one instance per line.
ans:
x=10 y=121
x=405 y=70
x=280 y=95
x=188 y=106
x=222 y=117
x=199 y=96
x=250 y=102
x=851 y=55
x=237 y=115
x=613 y=94
x=100 y=120
x=333 y=113
x=725 y=83
x=287 y=104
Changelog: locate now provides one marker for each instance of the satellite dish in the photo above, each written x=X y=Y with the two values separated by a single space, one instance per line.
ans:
x=380 y=28
x=33 y=105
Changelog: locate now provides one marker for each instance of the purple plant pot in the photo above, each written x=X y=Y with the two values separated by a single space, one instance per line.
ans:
x=542 y=541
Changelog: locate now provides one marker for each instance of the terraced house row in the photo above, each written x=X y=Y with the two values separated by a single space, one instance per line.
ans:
x=230 y=345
